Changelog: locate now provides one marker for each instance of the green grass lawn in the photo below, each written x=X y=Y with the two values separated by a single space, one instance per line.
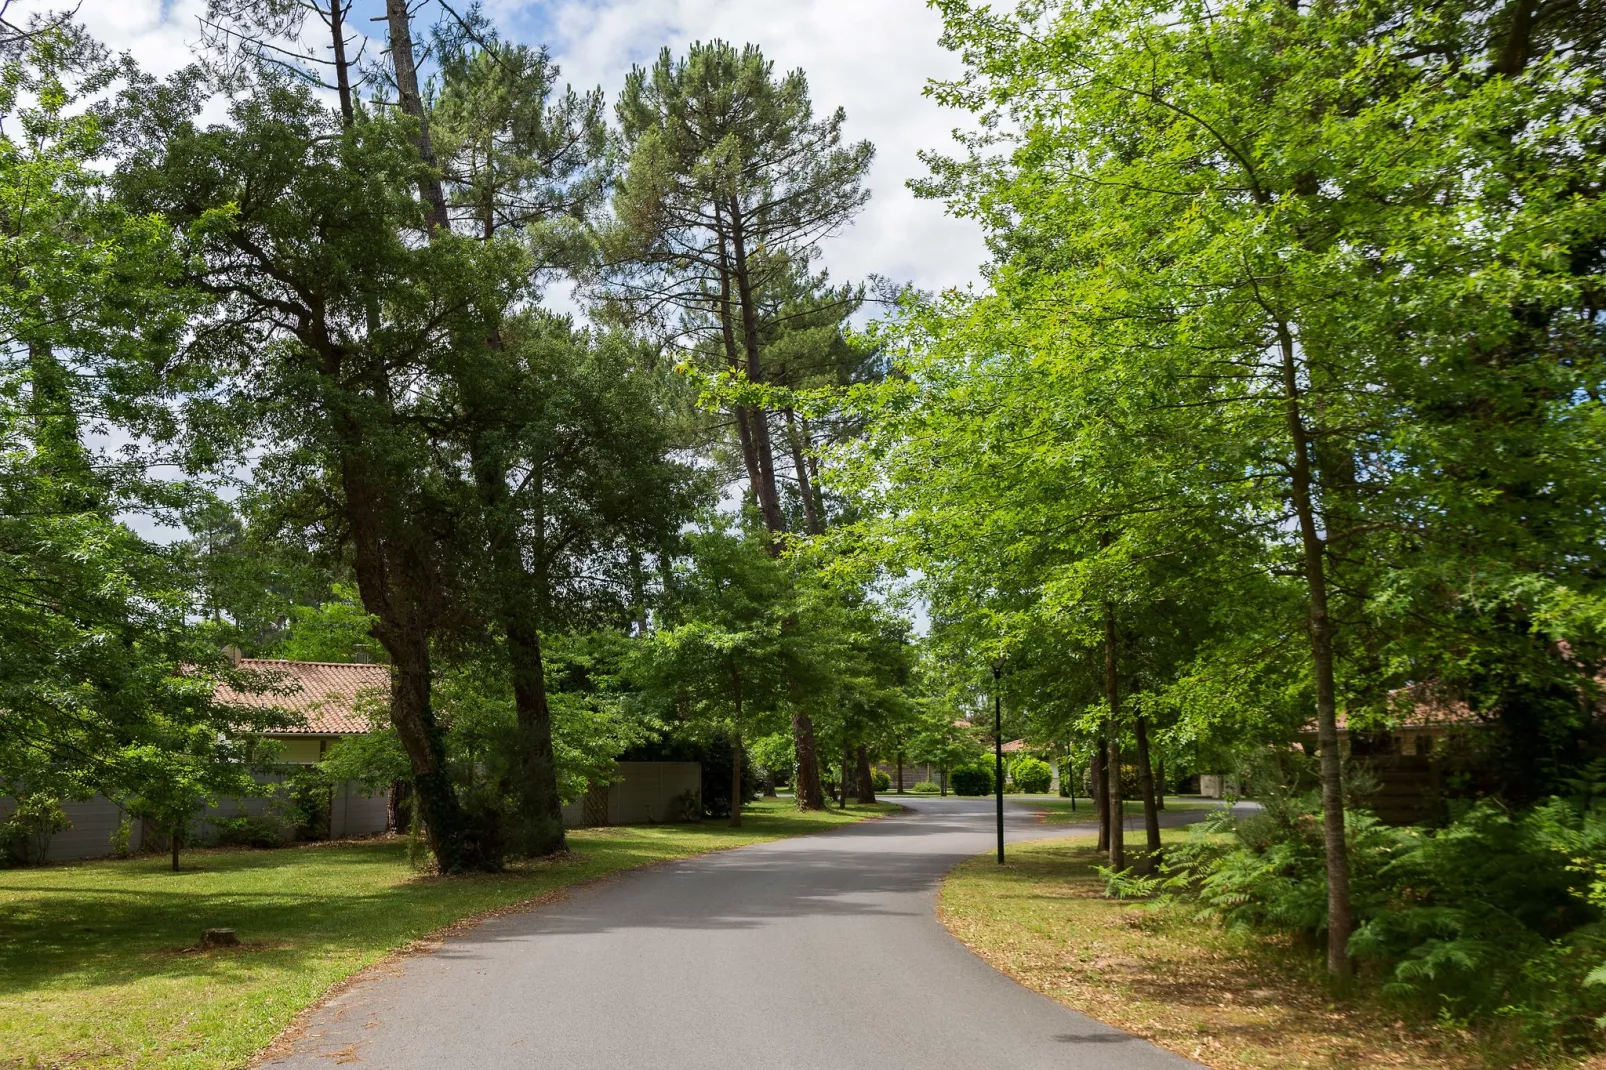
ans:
x=1057 y=811
x=94 y=970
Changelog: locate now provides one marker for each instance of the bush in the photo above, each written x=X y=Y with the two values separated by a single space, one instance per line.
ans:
x=1491 y=918
x=927 y=787
x=246 y=831
x=25 y=834
x=975 y=779
x=1032 y=774
x=881 y=781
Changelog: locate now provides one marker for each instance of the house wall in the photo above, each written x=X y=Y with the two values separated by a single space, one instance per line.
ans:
x=642 y=793
x=93 y=822
x=352 y=813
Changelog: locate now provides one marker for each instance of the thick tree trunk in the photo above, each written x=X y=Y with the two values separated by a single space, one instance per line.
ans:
x=458 y=846
x=1339 y=921
x=1151 y=810
x=866 y=775
x=806 y=786
x=390 y=580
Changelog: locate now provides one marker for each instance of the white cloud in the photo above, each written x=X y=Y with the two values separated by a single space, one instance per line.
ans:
x=872 y=57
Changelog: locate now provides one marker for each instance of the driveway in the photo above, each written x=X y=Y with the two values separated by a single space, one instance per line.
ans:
x=812 y=953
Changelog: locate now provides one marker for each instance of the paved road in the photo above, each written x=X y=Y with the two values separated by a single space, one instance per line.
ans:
x=805 y=954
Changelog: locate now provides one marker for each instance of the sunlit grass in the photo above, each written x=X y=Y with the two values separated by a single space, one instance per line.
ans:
x=1229 y=1001
x=94 y=970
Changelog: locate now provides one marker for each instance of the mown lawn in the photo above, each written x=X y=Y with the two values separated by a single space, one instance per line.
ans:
x=1231 y=1002
x=94 y=966
x=1057 y=811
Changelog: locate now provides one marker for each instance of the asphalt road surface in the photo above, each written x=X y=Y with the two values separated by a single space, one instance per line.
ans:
x=813 y=953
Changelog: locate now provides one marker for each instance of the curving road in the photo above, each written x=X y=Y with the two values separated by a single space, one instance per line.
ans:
x=811 y=953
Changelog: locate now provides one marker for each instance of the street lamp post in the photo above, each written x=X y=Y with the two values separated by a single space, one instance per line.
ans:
x=998 y=753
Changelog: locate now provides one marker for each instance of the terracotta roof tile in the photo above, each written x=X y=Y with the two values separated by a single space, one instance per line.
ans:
x=332 y=698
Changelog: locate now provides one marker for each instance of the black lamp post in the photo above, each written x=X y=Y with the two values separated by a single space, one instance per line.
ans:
x=998 y=752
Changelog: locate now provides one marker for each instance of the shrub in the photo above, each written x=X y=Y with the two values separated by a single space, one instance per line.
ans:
x=1032 y=774
x=927 y=787
x=247 y=831
x=1493 y=917
x=25 y=834
x=881 y=781
x=974 y=779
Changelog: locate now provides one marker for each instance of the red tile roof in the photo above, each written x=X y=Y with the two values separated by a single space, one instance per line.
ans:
x=331 y=697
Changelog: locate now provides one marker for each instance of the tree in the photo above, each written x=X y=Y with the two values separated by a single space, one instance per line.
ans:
x=1248 y=230
x=293 y=219
x=105 y=684
x=730 y=183
x=721 y=667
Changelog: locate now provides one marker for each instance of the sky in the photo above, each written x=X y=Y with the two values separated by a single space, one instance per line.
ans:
x=871 y=57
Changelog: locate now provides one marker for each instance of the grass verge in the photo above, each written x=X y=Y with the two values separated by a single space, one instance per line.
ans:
x=1057 y=811
x=1229 y=1001
x=94 y=970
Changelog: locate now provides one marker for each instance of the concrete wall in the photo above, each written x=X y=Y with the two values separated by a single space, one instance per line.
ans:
x=352 y=814
x=643 y=793
x=1218 y=786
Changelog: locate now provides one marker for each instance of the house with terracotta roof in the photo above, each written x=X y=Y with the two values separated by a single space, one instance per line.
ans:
x=333 y=700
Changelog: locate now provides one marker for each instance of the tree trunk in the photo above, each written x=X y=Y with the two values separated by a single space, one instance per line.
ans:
x=337 y=30
x=390 y=580
x=536 y=825
x=761 y=470
x=898 y=773
x=1101 y=794
x=174 y=838
x=806 y=787
x=1112 y=695
x=1151 y=812
x=733 y=360
x=811 y=515
x=399 y=21
x=769 y=497
x=1339 y=922
x=866 y=775
x=847 y=772
x=736 y=780
x=1159 y=776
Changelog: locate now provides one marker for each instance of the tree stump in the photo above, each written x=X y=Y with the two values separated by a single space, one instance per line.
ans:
x=211 y=938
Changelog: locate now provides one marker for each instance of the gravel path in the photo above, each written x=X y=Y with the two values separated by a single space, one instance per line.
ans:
x=811 y=953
